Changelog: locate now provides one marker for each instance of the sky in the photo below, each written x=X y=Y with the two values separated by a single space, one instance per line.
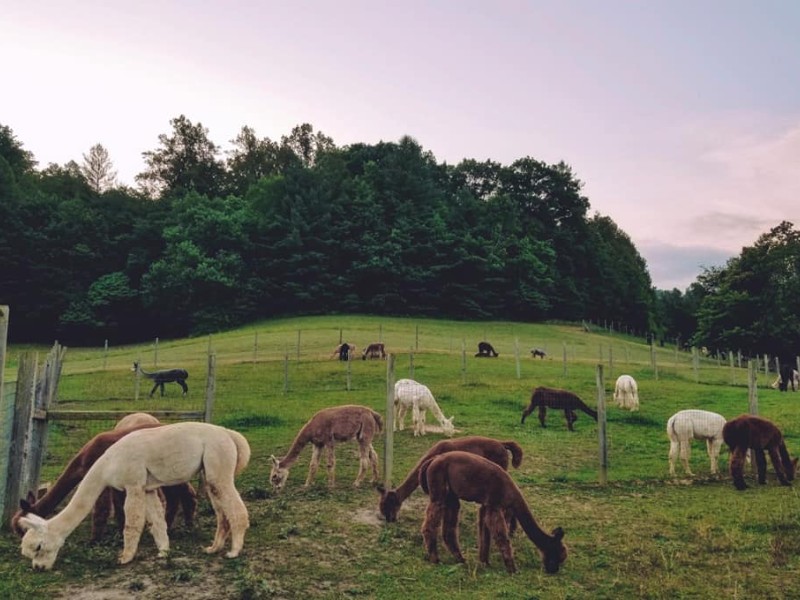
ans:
x=681 y=118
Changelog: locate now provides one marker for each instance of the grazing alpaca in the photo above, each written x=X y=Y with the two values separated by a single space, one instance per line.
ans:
x=626 y=392
x=178 y=376
x=788 y=377
x=140 y=463
x=375 y=350
x=485 y=349
x=794 y=381
x=538 y=352
x=344 y=351
x=756 y=433
x=409 y=393
x=545 y=398
x=323 y=430
x=686 y=425
x=493 y=450
x=182 y=495
x=454 y=476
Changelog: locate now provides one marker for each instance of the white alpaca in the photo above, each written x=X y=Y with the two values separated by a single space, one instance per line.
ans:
x=626 y=392
x=140 y=463
x=686 y=425
x=411 y=394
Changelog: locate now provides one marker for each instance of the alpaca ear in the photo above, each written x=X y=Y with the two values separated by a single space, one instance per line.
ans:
x=379 y=487
x=31 y=521
x=275 y=461
x=558 y=533
x=30 y=498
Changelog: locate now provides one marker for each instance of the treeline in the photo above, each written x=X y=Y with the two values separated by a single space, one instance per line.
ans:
x=209 y=240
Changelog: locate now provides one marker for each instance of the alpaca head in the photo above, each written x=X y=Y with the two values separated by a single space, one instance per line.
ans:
x=389 y=504
x=791 y=469
x=39 y=543
x=447 y=426
x=555 y=553
x=278 y=475
x=135 y=366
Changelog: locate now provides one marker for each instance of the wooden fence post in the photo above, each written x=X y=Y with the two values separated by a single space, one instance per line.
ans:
x=6 y=420
x=564 y=358
x=601 y=425
x=211 y=387
x=388 y=435
x=23 y=405
x=411 y=363
x=752 y=387
x=286 y=372
x=137 y=380
x=463 y=361
x=105 y=355
x=255 y=349
x=155 y=353
x=733 y=372
x=516 y=356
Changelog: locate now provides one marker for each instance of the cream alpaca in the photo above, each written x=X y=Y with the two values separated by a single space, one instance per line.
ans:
x=323 y=430
x=411 y=394
x=686 y=425
x=139 y=464
x=626 y=392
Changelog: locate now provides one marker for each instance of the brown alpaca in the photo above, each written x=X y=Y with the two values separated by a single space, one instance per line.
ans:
x=493 y=450
x=748 y=431
x=182 y=495
x=545 y=397
x=323 y=430
x=457 y=475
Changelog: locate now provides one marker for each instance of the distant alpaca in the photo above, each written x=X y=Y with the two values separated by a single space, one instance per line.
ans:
x=323 y=430
x=788 y=377
x=751 y=432
x=544 y=398
x=626 y=392
x=493 y=450
x=139 y=463
x=686 y=425
x=178 y=376
x=344 y=351
x=485 y=349
x=794 y=381
x=411 y=394
x=454 y=476
x=375 y=350
x=181 y=495
x=538 y=352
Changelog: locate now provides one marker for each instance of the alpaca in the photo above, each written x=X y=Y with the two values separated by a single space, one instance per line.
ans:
x=182 y=495
x=178 y=376
x=344 y=351
x=788 y=378
x=760 y=435
x=686 y=425
x=626 y=392
x=139 y=463
x=376 y=350
x=454 y=476
x=545 y=398
x=323 y=430
x=538 y=352
x=493 y=450
x=485 y=349
x=409 y=393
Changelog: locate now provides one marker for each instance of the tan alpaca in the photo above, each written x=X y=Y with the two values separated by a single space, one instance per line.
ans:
x=182 y=495
x=454 y=476
x=493 y=450
x=140 y=463
x=412 y=394
x=323 y=430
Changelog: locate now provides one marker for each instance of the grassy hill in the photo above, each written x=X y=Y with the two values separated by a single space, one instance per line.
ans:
x=642 y=535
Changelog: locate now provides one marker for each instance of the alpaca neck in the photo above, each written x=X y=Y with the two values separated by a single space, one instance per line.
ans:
x=437 y=412
x=81 y=504
x=410 y=483
x=65 y=483
x=529 y=525
x=297 y=446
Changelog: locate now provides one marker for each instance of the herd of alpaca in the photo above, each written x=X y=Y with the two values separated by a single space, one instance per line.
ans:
x=141 y=470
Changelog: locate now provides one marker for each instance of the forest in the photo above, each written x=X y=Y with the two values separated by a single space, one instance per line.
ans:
x=209 y=240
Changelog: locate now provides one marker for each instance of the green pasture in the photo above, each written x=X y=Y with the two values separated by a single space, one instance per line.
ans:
x=641 y=535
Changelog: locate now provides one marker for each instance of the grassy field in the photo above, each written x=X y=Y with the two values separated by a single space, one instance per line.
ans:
x=641 y=535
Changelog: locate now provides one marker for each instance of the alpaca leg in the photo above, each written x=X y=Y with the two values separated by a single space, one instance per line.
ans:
x=673 y=455
x=153 y=391
x=419 y=427
x=686 y=452
x=422 y=414
x=118 y=504
x=183 y=385
x=496 y=523
x=737 y=468
x=313 y=465
x=777 y=464
x=134 y=522
x=713 y=454
x=542 y=414
x=571 y=417
x=100 y=514
x=484 y=537
x=154 y=514
x=761 y=465
x=223 y=526
x=450 y=527
x=237 y=518
x=331 y=454
x=399 y=415
x=373 y=459
x=430 y=528
x=363 y=463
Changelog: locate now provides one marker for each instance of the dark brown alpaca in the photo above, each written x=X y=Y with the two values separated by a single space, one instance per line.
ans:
x=183 y=495
x=493 y=450
x=748 y=431
x=454 y=476
x=545 y=397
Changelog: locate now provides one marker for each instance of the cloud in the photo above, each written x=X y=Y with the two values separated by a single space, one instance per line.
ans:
x=673 y=266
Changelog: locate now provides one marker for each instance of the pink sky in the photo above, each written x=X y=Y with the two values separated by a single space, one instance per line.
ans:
x=681 y=118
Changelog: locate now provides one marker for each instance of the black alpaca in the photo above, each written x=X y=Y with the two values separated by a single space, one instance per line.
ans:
x=545 y=398
x=486 y=349
x=787 y=378
x=344 y=352
x=159 y=378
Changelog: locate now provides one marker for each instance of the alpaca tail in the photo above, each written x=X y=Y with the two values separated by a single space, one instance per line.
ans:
x=378 y=420
x=423 y=475
x=242 y=450
x=516 y=452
